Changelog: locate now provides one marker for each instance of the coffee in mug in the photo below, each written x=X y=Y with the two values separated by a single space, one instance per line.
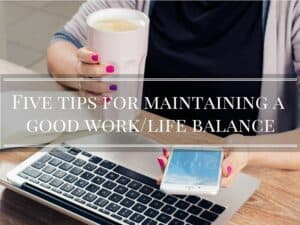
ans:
x=116 y=25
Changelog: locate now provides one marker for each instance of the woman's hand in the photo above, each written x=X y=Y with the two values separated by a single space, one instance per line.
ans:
x=90 y=68
x=235 y=160
x=233 y=163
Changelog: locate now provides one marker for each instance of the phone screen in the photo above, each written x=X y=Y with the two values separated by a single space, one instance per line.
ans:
x=192 y=167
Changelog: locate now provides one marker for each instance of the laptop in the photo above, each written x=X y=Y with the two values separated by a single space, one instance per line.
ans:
x=110 y=179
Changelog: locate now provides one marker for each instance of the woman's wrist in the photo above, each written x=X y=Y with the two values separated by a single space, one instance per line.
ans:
x=252 y=152
x=239 y=143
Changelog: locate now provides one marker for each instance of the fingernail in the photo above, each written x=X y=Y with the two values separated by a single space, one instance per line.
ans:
x=110 y=69
x=160 y=162
x=165 y=152
x=107 y=99
x=229 y=170
x=113 y=87
x=95 y=57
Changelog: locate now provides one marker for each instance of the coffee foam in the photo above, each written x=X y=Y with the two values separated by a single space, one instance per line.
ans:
x=116 y=25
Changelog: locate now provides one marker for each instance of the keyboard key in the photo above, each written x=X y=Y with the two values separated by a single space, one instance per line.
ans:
x=127 y=202
x=113 y=207
x=32 y=172
x=92 y=206
x=134 y=185
x=98 y=180
x=107 y=164
x=151 y=213
x=209 y=216
x=193 y=199
x=164 y=218
x=79 y=200
x=123 y=180
x=62 y=155
x=67 y=187
x=65 y=166
x=95 y=159
x=144 y=199
x=121 y=189
x=38 y=165
x=109 y=184
x=49 y=169
x=104 y=193
x=197 y=221
x=158 y=195
x=89 y=197
x=45 y=185
x=56 y=183
x=87 y=175
x=139 y=208
x=87 y=154
x=182 y=205
x=146 y=190
x=57 y=191
x=125 y=212
x=218 y=209
x=101 y=202
x=115 y=197
x=45 y=178
x=136 y=176
x=44 y=159
x=149 y=222
x=116 y=216
x=100 y=171
x=92 y=188
x=112 y=176
x=78 y=192
x=156 y=204
x=137 y=218
x=55 y=162
x=176 y=222
x=205 y=204
x=90 y=167
x=76 y=171
x=70 y=178
x=79 y=162
x=23 y=175
x=180 y=214
x=74 y=151
x=194 y=210
x=68 y=195
x=132 y=194
x=168 y=209
x=81 y=183
x=170 y=200
x=180 y=196
x=59 y=174
x=129 y=222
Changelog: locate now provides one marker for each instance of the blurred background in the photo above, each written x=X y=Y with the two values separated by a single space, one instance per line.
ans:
x=27 y=26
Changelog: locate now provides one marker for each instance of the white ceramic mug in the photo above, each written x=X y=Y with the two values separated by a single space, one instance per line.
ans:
x=126 y=51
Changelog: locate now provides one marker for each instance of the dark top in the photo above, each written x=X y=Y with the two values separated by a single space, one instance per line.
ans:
x=205 y=39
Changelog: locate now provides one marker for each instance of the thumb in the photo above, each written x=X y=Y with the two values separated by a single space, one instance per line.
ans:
x=228 y=165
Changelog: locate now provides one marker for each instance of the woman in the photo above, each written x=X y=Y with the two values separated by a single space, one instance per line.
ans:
x=205 y=39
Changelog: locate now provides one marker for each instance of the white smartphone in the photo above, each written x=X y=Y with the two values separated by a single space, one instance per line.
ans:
x=192 y=171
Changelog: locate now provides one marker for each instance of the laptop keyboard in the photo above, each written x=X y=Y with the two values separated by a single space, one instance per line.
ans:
x=115 y=191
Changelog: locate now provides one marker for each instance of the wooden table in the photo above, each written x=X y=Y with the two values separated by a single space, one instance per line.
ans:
x=276 y=202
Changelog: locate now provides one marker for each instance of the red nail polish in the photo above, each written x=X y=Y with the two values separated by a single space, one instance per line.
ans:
x=165 y=152
x=161 y=163
x=110 y=69
x=95 y=57
x=229 y=170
